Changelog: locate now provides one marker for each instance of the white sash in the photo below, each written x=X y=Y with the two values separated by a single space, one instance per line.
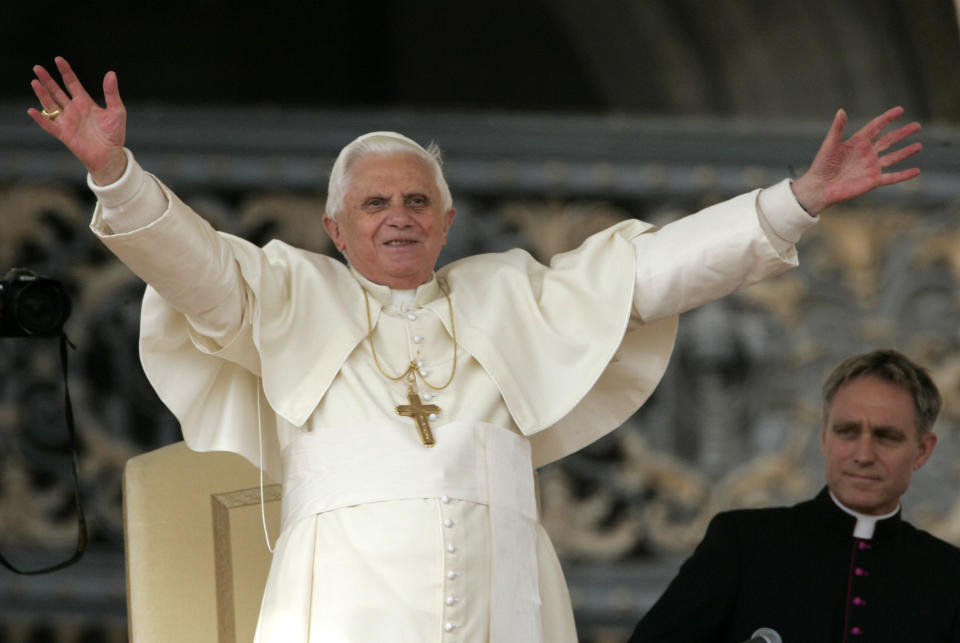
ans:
x=474 y=461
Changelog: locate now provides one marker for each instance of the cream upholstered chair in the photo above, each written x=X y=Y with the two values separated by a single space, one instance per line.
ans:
x=196 y=556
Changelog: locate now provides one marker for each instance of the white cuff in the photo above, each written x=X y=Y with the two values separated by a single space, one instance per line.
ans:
x=124 y=188
x=782 y=213
x=130 y=203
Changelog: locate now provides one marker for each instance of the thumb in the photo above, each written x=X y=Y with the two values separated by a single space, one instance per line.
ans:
x=835 y=135
x=111 y=91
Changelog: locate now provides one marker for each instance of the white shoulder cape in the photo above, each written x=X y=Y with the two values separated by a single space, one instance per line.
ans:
x=555 y=340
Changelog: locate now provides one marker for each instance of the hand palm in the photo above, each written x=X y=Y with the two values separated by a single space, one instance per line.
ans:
x=94 y=134
x=843 y=170
x=91 y=132
x=848 y=170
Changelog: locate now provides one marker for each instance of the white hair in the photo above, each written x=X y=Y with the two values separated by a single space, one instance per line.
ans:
x=382 y=144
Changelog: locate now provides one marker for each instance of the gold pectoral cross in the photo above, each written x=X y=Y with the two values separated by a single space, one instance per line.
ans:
x=419 y=412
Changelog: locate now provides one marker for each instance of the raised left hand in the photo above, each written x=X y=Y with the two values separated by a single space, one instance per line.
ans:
x=845 y=169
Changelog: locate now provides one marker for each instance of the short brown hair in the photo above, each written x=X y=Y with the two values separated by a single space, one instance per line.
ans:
x=895 y=368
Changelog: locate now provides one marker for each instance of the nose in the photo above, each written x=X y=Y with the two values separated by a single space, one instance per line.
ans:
x=863 y=452
x=398 y=217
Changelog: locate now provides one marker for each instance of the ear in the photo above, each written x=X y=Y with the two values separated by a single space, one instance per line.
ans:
x=448 y=221
x=333 y=231
x=927 y=443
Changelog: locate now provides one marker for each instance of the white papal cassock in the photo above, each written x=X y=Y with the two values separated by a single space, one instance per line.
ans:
x=383 y=539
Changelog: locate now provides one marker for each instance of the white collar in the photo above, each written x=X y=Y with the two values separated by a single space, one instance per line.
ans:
x=427 y=291
x=399 y=297
x=866 y=524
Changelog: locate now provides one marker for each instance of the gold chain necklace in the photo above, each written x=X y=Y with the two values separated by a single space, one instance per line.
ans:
x=416 y=409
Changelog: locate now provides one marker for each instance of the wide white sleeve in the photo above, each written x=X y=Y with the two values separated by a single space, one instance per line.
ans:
x=172 y=249
x=716 y=251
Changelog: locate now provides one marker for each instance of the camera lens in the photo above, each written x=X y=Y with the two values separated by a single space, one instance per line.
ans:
x=40 y=309
x=31 y=305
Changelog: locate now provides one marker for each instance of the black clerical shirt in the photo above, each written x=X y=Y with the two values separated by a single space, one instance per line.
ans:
x=800 y=571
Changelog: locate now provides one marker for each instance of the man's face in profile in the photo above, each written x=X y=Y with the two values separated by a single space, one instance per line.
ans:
x=871 y=446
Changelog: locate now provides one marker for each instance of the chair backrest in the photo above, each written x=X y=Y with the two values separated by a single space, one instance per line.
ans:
x=196 y=556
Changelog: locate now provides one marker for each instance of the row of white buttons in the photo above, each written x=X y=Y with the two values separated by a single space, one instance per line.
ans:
x=420 y=368
x=451 y=600
x=418 y=339
x=451 y=575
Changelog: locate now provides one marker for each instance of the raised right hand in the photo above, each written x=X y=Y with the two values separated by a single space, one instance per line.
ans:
x=95 y=135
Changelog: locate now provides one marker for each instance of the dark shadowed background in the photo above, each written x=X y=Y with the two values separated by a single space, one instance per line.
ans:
x=557 y=118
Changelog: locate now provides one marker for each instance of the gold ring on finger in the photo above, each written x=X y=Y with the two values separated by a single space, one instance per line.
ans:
x=50 y=116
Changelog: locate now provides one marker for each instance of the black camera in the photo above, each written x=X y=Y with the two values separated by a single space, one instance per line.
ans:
x=31 y=305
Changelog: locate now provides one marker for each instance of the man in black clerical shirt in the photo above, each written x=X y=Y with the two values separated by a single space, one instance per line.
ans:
x=843 y=566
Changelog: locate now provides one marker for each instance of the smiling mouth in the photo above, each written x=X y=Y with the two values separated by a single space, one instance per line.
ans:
x=400 y=242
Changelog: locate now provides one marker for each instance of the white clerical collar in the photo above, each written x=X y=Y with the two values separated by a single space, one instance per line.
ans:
x=425 y=292
x=400 y=297
x=865 y=523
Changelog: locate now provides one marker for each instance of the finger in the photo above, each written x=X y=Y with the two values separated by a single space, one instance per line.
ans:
x=892 y=138
x=45 y=123
x=835 y=134
x=46 y=100
x=898 y=177
x=874 y=127
x=111 y=91
x=73 y=84
x=57 y=95
x=893 y=158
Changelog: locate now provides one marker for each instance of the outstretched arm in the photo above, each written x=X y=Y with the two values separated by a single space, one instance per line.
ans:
x=95 y=135
x=845 y=169
x=184 y=260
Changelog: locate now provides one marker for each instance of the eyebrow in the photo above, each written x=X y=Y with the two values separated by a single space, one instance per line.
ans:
x=889 y=431
x=877 y=428
x=846 y=424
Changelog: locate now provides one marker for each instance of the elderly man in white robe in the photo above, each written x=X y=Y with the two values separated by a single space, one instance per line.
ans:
x=404 y=409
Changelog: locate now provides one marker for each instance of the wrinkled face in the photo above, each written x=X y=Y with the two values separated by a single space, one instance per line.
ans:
x=391 y=228
x=871 y=446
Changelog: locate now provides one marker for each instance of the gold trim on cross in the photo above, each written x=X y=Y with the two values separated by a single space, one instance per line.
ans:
x=420 y=413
